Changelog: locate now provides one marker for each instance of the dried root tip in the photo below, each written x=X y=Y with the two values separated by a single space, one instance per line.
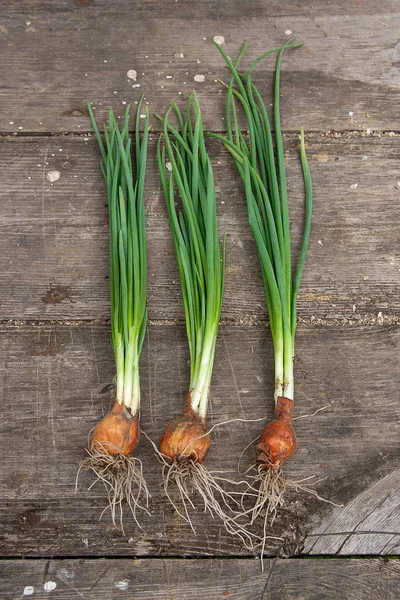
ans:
x=117 y=432
x=123 y=480
x=186 y=436
x=278 y=440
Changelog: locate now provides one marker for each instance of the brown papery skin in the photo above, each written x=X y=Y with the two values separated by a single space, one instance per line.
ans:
x=278 y=440
x=185 y=437
x=117 y=432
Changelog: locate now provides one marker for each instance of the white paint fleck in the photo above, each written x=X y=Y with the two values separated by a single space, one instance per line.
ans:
x=132 y=74
x=366 y=277
x=168 y=77
x=354 y=186
x=219 y=39
x=53 y=176
x=136 y=85
x=204 y=39
x=320 y=242
x=115 y=92
x=199 y=78
x=29 y=590
x=20 y=127
x=104 y=61
x=11 y=122
x=49 y=586
x=380 y=318
x=351 y=113
x=28 y=23
x=198 y=61
x=142 y=116
x=398 y=185
x=122 y=585
x=368 y=131
x=169 y=166
x=131 y=540
x=179 y=55
x=288 y=32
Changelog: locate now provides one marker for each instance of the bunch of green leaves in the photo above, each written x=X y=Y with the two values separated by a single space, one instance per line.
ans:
x=261 y=164
x=128 y=263
x=188 y=184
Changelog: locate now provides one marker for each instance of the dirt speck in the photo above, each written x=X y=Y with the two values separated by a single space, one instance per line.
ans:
x=56 y=294
x=132 y=74
x=15 y=480
x=53 y=176
x=219 y=39
x=30 y=518
x=321 y=157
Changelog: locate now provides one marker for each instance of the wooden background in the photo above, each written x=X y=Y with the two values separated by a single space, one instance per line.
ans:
x=344 y=87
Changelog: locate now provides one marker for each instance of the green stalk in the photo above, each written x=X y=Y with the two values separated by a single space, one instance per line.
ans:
x=194 y=231
x=261 y=166
x=128 y=263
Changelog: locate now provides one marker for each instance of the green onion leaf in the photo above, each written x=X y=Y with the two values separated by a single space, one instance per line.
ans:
x=188 y=186
x=128 y=263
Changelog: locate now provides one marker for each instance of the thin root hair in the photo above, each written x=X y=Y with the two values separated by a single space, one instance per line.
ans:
x=191 y=476
x=122 y=477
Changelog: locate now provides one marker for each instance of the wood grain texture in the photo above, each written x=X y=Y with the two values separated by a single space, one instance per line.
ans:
x=55 y=57
x=51 y=377
x=157 y=579
x=370 y=522
x=54 y=236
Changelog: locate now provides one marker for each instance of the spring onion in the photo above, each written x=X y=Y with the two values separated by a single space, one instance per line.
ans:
x=116 y=436
x=261 y=165
x=187 y=180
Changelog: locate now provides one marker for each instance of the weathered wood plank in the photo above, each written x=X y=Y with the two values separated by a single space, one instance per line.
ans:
x=54 y=242
x=368 y=524
x=55 y=57
x=51 y=377
x=240 y=579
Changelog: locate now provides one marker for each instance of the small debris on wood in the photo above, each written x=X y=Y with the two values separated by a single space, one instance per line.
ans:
x=53 y=176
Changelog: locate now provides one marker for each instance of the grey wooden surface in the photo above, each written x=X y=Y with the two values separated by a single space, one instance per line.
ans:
x=48 y=412
x=54 y=243
x=201 y=579
x=55 y=354
x=78 y=50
